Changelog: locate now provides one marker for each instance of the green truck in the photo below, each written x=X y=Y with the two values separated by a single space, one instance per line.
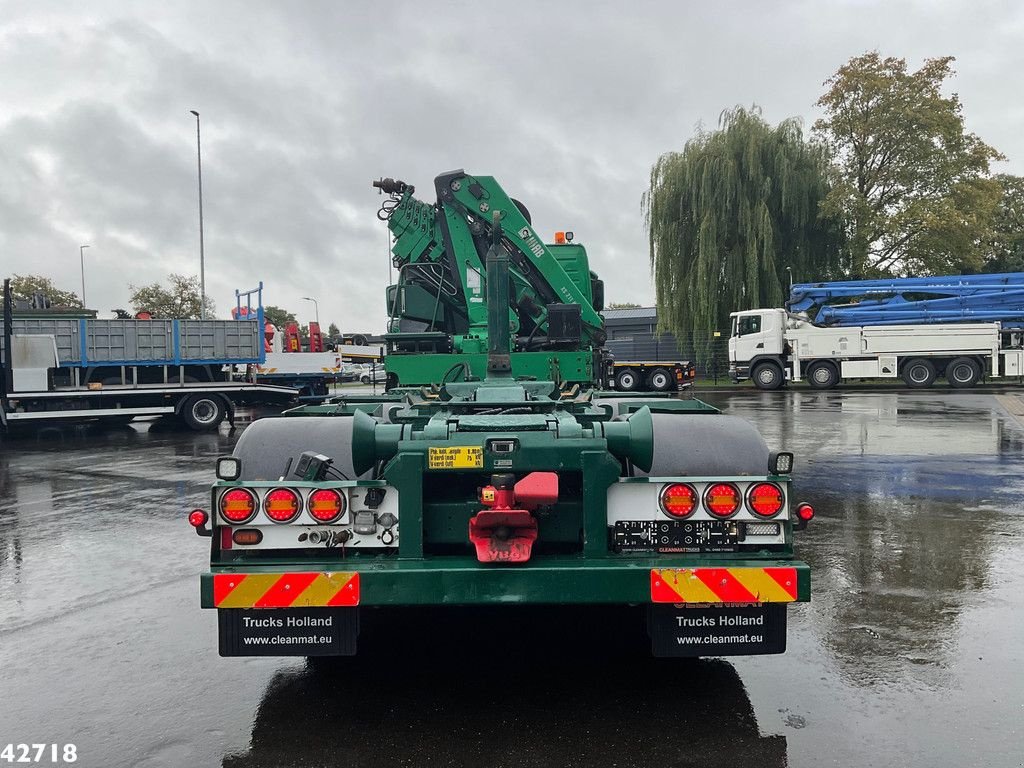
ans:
x=502 y=489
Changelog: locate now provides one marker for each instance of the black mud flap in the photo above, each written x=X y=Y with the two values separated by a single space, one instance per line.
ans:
x=717 y=630
x=288 y=631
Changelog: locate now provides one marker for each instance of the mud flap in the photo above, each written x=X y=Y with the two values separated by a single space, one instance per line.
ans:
x=288 y=631
x=726 y=629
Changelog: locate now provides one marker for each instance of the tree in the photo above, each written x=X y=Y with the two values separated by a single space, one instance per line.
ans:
x=278 y=317
x=181 y=299
x=913 y=185
x=333 y=331
x=26 y=286
x=622 y=305
x=1006 y=251
x=728 y=215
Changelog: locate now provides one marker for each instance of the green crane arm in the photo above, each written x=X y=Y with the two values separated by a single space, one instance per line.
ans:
x=440 y=249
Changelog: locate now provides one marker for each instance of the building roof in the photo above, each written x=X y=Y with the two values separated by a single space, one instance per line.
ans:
x=634 y=313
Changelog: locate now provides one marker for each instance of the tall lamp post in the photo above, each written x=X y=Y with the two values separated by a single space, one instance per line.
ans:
x=81 y=259
x=316 y=308
x=202 y=255
x=790 y=270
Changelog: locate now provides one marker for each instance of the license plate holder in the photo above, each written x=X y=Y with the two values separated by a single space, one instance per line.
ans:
x=288 y=631
x=723 y=629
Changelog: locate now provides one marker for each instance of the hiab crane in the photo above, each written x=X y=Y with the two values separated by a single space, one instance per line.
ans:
x=502 y=492
x=962 y=327
x=439 y=306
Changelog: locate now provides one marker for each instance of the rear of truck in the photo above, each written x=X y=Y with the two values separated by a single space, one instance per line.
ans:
x=666 y=505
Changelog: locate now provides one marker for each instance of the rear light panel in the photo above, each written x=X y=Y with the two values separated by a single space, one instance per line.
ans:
x=723 y=499
x=302 y=515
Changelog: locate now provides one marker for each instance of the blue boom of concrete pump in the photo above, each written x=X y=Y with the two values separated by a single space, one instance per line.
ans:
x=913 y=300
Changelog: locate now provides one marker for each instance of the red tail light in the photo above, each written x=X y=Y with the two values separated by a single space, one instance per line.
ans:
x=238 y=505
x=679 y=500
x=722 y=499
x=326 y=505
x=765 y=499
x=282 y=505
x=197 y=518
x=805 y=512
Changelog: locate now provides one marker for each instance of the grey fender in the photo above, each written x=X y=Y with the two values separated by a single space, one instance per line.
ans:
x=266 y=445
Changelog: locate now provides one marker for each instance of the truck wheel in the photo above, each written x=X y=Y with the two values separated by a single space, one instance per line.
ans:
x=203 y=412
x=768 y=376
x=963 y=373
x=822 y=375
x=359 y=340
x=627 y=380
x=270 y=448
x=661 y=380
x=919 y=373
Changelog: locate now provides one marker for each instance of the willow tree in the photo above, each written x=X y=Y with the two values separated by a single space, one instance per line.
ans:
x=729 y=214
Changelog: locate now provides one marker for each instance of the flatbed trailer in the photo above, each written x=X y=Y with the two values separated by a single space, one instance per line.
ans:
x=72 y=369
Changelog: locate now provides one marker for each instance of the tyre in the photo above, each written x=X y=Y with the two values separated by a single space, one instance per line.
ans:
x=364 y=379
x=270 y=448
x=822 y=375
x=391 y=381
x=627 y=380
x=203 y=412
x=661 y=380
x=919 y=373
x=359 y=340
x=768 y=376
x=708 y=445
x=963 y=373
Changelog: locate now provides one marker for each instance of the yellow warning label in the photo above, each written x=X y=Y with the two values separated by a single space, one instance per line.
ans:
x=458 y=457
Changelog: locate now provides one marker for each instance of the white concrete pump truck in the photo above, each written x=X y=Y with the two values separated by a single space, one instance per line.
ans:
x=964 y=328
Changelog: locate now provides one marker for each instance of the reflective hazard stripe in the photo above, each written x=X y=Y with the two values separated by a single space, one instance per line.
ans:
x=723 y=585
x=285 y=590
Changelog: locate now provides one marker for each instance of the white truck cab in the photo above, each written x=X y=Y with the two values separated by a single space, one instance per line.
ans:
x=757 y=335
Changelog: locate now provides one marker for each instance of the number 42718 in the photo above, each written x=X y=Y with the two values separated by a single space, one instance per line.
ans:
x=53 y=754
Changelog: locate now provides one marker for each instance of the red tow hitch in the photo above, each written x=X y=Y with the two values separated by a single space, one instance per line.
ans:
x=505 y=532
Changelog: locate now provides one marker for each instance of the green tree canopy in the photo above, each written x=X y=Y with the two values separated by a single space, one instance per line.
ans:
x=26 y=286
x=333 y=330
x=913 y=184
x=278 y=317
x=179 y=299
x=729 y=214
x=1006 y=252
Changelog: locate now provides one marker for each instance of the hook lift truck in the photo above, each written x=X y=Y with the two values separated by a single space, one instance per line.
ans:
x=502 y=491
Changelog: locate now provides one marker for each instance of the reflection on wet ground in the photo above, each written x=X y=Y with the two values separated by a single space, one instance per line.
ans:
x=909 y=654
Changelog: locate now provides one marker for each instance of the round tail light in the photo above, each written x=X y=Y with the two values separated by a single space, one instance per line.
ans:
x=238 y=505
x=282 y=505
x=765 y=499
x=722 y=499
x=678 y=500
x=805 y=512
x=326 y=505
x=197 y=518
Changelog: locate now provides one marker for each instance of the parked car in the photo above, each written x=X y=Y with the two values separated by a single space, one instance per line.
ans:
x=372 y=373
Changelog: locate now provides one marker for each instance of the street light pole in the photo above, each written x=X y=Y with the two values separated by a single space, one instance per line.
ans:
x=790 y=270
x=202 y=255
x=316 y=308
x=81 y=258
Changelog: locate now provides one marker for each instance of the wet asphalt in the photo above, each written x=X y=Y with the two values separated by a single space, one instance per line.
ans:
x=911 y=652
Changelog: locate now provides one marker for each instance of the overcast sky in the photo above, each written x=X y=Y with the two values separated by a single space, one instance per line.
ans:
x=304 y=103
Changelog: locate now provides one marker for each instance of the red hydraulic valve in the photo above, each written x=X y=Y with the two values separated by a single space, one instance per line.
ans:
x=505 y=532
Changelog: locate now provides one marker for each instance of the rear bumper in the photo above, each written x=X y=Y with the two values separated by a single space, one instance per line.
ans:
x=463 y=581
